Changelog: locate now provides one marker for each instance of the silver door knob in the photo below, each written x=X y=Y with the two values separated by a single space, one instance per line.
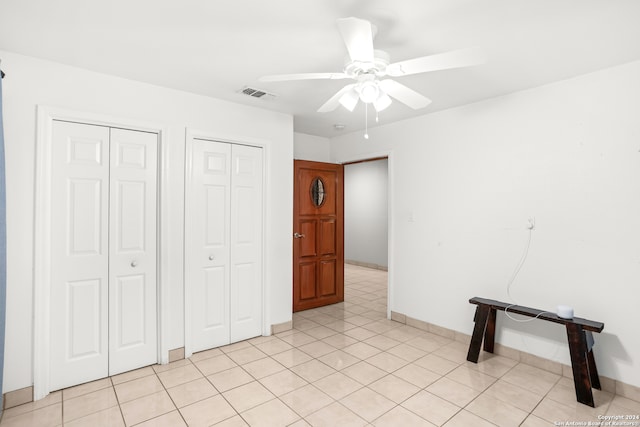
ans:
x=298 y=235
x=211 y=257
x=134 y=263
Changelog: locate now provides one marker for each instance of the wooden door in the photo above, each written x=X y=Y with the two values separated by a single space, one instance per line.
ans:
x=318 y=234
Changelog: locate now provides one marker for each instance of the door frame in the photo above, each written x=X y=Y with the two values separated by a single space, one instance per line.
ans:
x=391 y=213
x=42 y=233
x=190 y=135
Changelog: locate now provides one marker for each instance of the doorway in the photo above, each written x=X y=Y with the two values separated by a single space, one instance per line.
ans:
x=368 y=228
x=117 y=166
x=366 y=216
x=223 y=243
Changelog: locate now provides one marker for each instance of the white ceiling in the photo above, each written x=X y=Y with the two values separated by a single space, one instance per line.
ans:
x=215 y=48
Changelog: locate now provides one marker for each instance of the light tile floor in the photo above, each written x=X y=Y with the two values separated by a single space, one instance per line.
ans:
x=341 y=365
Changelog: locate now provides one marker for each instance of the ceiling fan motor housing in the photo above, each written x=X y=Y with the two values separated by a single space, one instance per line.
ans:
x=355 y=68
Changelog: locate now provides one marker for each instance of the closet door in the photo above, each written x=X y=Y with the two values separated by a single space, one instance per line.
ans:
x=132 y=250
x=79 y=254
x=207 y=243
x=103 y=252
x=223 y=243
x=246 y=242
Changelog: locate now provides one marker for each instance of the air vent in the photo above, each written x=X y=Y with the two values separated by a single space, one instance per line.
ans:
x=256 y=93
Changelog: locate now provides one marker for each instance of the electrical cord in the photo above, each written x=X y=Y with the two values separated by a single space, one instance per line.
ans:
x=512 y=279
x=523 y=320
x=523 y=258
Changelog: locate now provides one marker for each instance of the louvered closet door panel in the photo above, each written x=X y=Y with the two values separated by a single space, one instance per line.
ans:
x=207 y=244
x=79 y=254
x=132 y=250
x=246 y=242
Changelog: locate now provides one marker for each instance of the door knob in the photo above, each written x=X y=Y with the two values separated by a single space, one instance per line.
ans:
x=298 y=235
x=211 y=257
x=134 y=263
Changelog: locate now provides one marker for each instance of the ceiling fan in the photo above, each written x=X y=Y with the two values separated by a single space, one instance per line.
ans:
x=368 y=67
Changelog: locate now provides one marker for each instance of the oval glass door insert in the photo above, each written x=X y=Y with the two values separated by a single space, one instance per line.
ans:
x=317 y=192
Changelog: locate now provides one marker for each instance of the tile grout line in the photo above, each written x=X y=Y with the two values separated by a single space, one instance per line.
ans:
x=219 y=392
x=124 y=421
x=166 y=390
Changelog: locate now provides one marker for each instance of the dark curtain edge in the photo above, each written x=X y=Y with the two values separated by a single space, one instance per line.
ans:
x=3 y=249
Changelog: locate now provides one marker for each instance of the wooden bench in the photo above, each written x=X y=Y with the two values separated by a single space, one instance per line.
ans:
x=579 y=333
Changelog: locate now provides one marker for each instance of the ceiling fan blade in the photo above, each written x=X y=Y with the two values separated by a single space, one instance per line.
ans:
x=303 y=76
x=403 y=94
x=334 y=101
x=358 y=38
x=441 y=61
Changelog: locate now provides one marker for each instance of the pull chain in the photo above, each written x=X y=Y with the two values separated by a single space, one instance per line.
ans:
x=366 y=121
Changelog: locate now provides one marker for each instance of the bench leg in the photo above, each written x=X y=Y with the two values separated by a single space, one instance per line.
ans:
x=593 y=371
x=579 y=364
x=490 y=332
x=481 y=317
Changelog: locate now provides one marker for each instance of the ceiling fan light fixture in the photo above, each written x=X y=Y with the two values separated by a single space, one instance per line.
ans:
x=349 y=100
x=369 y=91
x=382 y=102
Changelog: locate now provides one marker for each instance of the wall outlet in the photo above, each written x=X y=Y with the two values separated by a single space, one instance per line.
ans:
x=531 y=223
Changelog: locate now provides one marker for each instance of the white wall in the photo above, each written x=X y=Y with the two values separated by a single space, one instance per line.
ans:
x=566 y=153
x=30 y=82
x=365 y=212
x=310 y=147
